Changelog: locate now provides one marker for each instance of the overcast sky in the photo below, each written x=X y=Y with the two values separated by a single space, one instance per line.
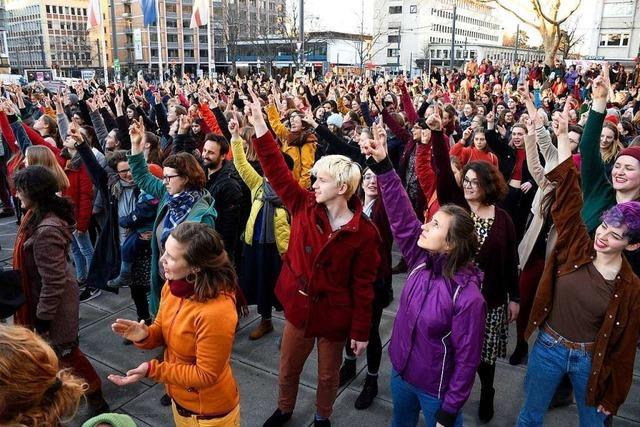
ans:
x=344 y=15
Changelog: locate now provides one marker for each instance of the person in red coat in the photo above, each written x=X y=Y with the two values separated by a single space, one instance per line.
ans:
x=326 y=282
x=80 y=191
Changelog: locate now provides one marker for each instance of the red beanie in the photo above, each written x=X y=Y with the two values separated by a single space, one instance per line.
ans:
x=631 y=151
x=613 y=119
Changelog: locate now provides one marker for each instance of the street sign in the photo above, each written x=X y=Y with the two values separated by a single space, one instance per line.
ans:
x=116 y=65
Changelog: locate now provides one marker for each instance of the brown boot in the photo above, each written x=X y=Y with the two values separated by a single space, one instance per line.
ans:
x=261 y=330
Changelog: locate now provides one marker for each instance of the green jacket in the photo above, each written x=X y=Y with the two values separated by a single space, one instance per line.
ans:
x=597 y=192
x=254 y=182
x=203 y=211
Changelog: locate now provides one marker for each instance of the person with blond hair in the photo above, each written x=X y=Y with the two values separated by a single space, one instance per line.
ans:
x=326 y=282
x=34 y=390
x=43 y=156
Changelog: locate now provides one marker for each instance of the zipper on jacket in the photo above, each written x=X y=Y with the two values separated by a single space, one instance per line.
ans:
x=169 y=334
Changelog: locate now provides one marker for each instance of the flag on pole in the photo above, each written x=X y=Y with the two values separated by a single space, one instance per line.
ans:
x=148 y=11
x=94 y=15
x=200 y=14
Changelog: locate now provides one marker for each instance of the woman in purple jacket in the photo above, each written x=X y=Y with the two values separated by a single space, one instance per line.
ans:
x=437 y=335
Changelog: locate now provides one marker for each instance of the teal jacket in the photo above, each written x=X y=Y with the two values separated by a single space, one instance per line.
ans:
x=597 y=192
x=203 y=211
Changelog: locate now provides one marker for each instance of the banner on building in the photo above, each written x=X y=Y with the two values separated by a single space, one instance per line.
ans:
x=148 y=11
x=137 y=44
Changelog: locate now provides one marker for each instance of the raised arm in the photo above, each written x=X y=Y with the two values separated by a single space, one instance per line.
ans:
x=276 y=124
x=272 y=161
x=446 y=186
x=138 y=165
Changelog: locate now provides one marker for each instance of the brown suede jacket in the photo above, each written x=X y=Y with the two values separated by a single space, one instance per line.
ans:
x=615 y=344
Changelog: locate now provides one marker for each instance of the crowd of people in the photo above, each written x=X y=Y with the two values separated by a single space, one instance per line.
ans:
x=512 y=192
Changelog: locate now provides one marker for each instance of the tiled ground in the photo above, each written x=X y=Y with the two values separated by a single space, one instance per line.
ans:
x=255 y=365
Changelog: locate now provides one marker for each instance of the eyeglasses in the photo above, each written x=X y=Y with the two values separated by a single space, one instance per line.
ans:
x=368 y=177
x=469 y=183
x=124 y=171
x=167 y=178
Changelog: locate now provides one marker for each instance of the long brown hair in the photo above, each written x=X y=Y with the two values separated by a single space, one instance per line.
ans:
x=35 y=392
x=204 y=250
x=43 y=156
x=462 y=238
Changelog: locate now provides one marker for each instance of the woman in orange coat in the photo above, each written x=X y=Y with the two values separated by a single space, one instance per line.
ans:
x=196 y=323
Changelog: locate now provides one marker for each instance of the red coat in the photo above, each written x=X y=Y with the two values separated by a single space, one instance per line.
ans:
x=336 y=270
x=80 y=191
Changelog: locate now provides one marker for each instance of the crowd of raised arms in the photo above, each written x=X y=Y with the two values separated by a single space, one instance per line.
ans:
x=511 y=191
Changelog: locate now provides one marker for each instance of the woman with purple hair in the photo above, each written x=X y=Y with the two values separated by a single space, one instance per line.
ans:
x=587 y=304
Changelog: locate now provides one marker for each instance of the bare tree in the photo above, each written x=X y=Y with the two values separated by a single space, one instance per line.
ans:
x=369 y=45
x=546 y=16
x=570 y=39
x=509 y=40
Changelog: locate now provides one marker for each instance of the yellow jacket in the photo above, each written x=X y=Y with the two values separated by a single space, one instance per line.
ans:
x=254 y=181
x=303 y=156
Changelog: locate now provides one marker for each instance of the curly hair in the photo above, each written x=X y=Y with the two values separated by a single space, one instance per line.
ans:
x=204 y=250
x=35 y=392
x=40 y=186
x=490 y=181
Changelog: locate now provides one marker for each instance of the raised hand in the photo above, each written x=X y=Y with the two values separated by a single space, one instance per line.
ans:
x=600 y=87
x=310 y=120
x=434 y=122
x=185 y=124
x=137 y=136
x=234 y=127
x=255 y=117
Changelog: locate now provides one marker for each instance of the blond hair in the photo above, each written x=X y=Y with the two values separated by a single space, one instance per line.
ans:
x=34 y=391
x=342 y=169
x=43 y=156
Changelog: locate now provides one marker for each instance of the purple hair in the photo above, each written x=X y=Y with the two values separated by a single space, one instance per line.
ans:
x=625 y=214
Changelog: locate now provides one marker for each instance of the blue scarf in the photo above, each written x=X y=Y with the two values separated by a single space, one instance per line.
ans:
x=179 y=207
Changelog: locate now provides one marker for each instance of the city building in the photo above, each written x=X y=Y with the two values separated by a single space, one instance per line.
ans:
x=405 y=30
x=439 y=55
x=184 y=49
x=324 y=51
x=616 y=35
x=51 y=34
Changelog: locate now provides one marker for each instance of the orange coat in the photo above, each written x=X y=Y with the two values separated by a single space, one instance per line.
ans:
x=198 y=337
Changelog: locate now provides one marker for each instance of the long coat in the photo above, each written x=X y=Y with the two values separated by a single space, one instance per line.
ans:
x=326 y=281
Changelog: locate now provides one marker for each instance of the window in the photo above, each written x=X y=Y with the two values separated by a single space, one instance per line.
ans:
x=204 y=53
x=172 y=38
x=393 y=39
x=618 y=9
x=173 y=53
x=395 y=10
x=48 y=9
x=188 y=53
x=615 y=39
x=391 y=53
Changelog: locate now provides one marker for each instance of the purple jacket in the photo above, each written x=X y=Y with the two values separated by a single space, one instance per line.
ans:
x=439 y=329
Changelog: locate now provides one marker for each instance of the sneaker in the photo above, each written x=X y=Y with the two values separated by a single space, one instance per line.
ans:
x=347 y=371
x=278 y=419
x=119 y=282
x=165 y=400
x=89 y=293
x=368 y=393
x=264 y=327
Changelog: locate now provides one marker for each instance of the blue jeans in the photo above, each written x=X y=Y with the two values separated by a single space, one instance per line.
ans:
x=548 y=362
x=407 y=402
x=82 y=250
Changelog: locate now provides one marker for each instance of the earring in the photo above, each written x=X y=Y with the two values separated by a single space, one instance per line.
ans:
x=191 y=277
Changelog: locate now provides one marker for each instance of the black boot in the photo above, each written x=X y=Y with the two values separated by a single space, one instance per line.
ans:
x=321 y=423
x=563 y=395
x=165 y=400
x=368 y=393
x=96 y=404
x=486 y=372
x=278 y=419
x=485 y=410
x=522 y=348
x=400 y=267
x=347 y=371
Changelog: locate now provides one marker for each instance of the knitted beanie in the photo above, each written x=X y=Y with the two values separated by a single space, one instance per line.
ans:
x=116 y=420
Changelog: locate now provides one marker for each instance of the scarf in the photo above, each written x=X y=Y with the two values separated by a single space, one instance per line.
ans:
x=270 y=201
x=179 y=207
x=118 y=186
x=25 y=315
x=181 y=288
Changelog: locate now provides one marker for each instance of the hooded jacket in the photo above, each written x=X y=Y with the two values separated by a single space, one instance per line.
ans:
x=438 y=332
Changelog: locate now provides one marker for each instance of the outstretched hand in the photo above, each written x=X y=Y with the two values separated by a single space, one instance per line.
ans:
x=137 y=136
x=133 y=375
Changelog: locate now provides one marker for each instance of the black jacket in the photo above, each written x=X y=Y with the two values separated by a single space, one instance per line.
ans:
x=232 y=203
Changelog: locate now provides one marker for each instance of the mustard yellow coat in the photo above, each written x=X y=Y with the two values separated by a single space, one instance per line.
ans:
x=254 y=181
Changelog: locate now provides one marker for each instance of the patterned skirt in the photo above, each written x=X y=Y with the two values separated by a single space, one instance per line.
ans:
x=496 y=332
